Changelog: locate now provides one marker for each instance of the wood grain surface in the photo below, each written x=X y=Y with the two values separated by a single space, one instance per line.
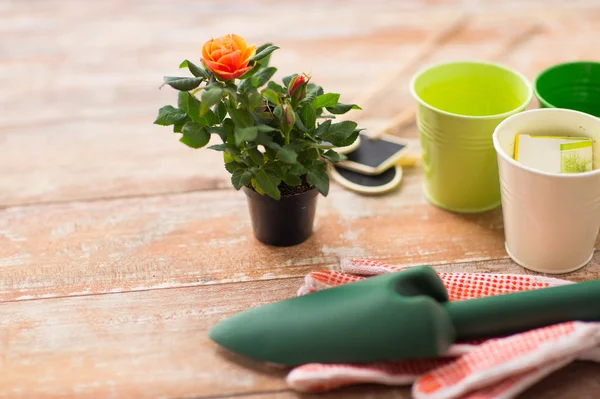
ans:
x=120 y=247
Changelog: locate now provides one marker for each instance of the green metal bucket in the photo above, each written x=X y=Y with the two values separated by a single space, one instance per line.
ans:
x=459 y=105
x=572 y=85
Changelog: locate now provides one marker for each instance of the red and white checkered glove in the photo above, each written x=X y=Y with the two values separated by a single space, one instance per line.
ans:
x=491 y=369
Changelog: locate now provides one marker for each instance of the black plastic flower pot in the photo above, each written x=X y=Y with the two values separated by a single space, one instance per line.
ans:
x=282 y=223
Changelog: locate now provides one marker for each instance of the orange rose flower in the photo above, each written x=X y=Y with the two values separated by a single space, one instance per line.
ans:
x=228 y=56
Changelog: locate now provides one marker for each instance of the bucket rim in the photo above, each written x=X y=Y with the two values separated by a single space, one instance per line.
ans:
x=541 y=98
x=429 y=67
x=538 y=172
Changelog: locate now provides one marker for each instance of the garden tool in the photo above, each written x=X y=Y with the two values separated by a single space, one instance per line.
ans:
x=494 y=369
x=364 y=321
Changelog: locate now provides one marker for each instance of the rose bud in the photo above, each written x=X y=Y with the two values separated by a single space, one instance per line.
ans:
x=297 y=88
x=288 y=116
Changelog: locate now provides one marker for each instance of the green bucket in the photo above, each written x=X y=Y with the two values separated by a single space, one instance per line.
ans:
x=459 y=105
x=571 y=85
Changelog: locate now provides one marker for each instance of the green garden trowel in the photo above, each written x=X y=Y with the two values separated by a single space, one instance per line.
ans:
x=399 y=315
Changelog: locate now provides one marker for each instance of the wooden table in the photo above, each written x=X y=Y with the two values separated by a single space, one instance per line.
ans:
x=120 y=247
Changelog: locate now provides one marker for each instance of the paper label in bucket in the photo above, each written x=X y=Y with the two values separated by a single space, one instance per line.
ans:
x=554 y=154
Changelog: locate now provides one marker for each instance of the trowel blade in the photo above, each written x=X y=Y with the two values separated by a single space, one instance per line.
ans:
x=387 y=317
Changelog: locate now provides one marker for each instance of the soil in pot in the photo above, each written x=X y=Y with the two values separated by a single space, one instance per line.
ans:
x=286 y=222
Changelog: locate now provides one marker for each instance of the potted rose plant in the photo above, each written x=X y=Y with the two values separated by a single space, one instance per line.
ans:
x=277 y=138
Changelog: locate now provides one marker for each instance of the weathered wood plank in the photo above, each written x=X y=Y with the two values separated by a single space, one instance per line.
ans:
x=206 y=237
x=154 y=344
x=93 y=159
x=149 y=345
x=366 y=391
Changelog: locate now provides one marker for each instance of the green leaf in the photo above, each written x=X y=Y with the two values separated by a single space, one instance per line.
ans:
x=220 y=111
x=266 y=141
x=209 y=98
x=298 y=169
x=241 y=118
x=194 y=69
x=299 y=125
x=276 y=87
x=263 y=76
x=277 y=169
x=333 y=156
x=236 y=178
x=234 y=154
x=190 y=104
x=229 y=127
x=292 y=180
x=308 y=116
x=351 y=139
x=182 y=100
x=232 y=92
x=278 y=111
x=308 y=157
x=194 y=135
x=233 y=166
x=218 y=147
x=245 y=134
x=246 y=177
x=287 y=154
x=262 y=47
x=260 y=78
x=323 y=128
x=271 y=95
x=256 y=156
x=338 y=133
x=208 y=119
x=254 y=99
x=342 y=108
x=270 y=154
x=251 y=72
x=319 y=178
x=265 y=128
x=220 y=130
x=287 y=79
x=169 y=115
x=312 y=91
x=268 y=184
x=182 y=83
x=178 y=127
x=326 y=100
x=240 y=178
x=273 y=146
x=299 y=144
x=257 y=187
x=265 y=52
x=224 y=147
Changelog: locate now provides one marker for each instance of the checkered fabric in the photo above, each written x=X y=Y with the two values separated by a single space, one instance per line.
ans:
x=491 y=369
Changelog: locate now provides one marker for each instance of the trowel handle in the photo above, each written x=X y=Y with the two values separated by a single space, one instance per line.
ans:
x=518 y=312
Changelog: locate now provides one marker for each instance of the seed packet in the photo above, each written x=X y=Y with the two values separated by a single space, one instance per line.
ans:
x=554 y=154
